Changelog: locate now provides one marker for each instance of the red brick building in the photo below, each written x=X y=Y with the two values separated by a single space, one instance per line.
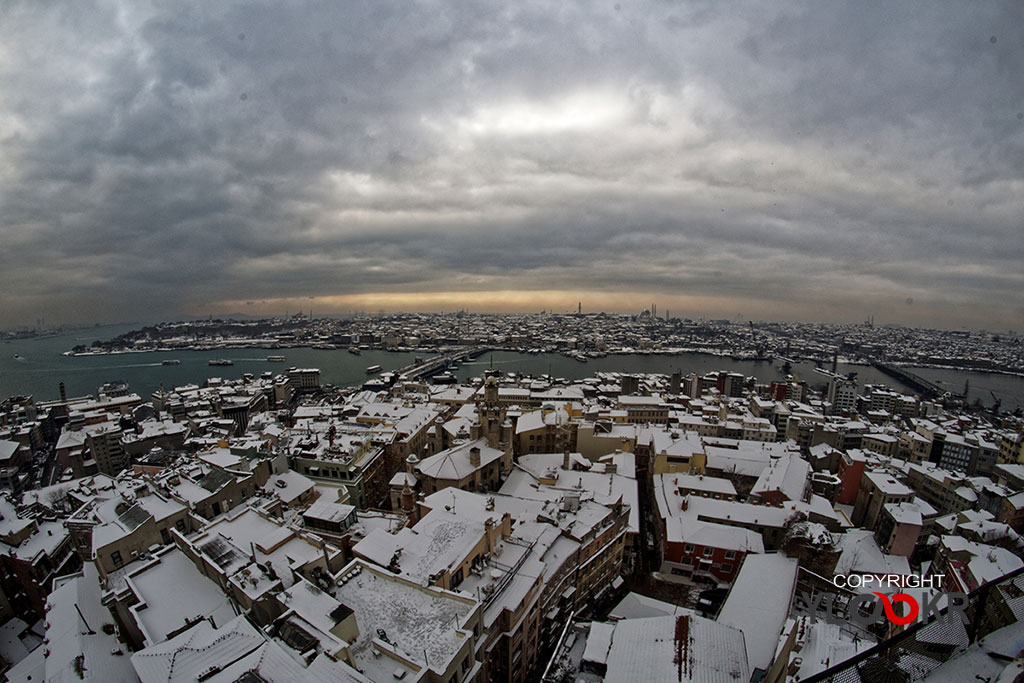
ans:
x=702 y=552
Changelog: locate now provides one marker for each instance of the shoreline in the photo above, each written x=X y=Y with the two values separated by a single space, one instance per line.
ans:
x=675 y=351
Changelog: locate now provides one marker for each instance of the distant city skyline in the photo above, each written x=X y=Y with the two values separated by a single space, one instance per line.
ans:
x=773 y=162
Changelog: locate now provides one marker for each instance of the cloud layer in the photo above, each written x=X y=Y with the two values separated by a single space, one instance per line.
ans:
x=784 y=160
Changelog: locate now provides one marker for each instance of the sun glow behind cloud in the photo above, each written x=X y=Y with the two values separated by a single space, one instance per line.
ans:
x=583 y=112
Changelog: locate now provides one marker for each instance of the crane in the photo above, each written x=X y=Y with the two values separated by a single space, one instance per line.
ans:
x=996 y=404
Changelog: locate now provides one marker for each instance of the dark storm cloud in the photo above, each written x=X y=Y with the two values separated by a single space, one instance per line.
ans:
x=159 y=159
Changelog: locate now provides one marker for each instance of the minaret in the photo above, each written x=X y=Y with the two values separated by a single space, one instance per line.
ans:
x=408 y=495
x=492 y=416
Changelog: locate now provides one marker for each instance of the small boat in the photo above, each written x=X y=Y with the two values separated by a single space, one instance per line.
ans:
x=275 y=359
x=444 y=378
x=17 y=355
x=220 y=361
x=373 y=370
x=580 y=357
x=354 y=350
x=171 y=361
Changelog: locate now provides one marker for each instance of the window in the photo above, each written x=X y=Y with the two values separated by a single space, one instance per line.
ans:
x=729 y=554
x=180 y=525
x=688 y=548
x=708 y=551
x=727 y=567
x=115 y=557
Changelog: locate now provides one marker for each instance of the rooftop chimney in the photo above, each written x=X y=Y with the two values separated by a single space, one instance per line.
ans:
x=474 y=456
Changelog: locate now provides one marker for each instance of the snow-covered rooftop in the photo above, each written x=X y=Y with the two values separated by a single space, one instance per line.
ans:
x=676 y=648
x=173 y=592
x=758 y=604
x=454 y=463
x=417 y=620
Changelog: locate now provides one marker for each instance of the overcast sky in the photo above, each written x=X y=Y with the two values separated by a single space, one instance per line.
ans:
x=814 y=161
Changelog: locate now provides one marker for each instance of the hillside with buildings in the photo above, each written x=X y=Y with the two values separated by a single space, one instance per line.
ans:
x=512 y=528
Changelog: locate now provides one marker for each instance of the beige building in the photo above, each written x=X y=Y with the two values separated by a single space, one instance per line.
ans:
x=877 y=489
x=677 y=452
x=600 y=438
x=1011 y=448
x=645 y=409
x=885 y=445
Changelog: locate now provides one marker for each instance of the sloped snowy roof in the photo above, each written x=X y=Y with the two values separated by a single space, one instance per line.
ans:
x=454 y=463
x=758 y=604
x=787 y=474
x=690 y=530
x=861 y=555
x=74 y=603
x=637 y=606
x=187 y=656
x=677 y=648
x=438 y=542
x=329 y=512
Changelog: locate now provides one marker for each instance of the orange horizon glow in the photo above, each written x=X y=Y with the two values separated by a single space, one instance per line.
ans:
x=694 y=306
x=497 y=301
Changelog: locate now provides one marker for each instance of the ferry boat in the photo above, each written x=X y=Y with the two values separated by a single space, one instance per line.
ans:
x=373 y=370
x=220 y=361
x=275 y=359
x=171 y=361
x=444 y=378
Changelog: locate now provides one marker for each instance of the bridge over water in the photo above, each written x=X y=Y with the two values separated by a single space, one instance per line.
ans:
x=926 y=388
x=439 y=363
